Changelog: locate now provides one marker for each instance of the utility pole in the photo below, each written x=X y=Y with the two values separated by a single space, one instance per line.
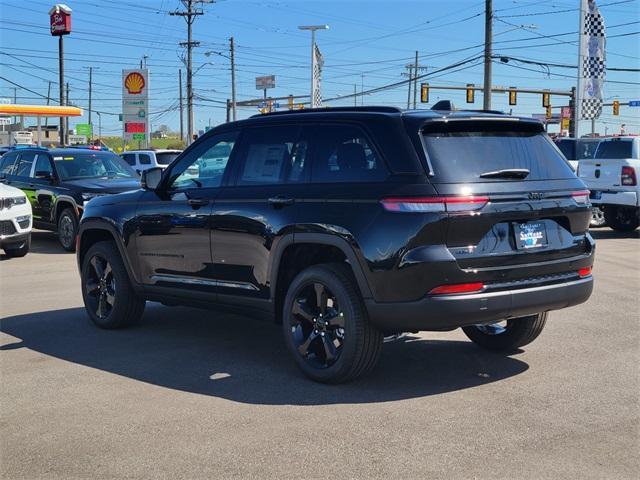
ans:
x=90 y=124
x=232 y=52
x=410 y=75
x=15 y=101
x=181 y=107
x=355 y=95
x=190 y=15
x=66 y=119
x=46 y=119
x=61 y=82
x=415 y=83
x=488 y=36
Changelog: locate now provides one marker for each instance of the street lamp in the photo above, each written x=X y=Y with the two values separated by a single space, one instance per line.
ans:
x=313 y=29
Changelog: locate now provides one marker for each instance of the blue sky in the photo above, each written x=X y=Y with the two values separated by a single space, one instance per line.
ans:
x=368 y=45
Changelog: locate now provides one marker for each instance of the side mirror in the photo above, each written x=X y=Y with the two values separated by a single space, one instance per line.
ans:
x=151 y=178
x=43 y=175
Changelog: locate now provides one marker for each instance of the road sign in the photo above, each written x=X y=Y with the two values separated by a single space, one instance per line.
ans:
x=634 y=103
x=83 y=129
x=77 y=139
x=266 y=105
x=565 y=112
x=268 y=81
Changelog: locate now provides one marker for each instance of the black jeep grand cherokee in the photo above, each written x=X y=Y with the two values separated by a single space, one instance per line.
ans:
x=349 y=224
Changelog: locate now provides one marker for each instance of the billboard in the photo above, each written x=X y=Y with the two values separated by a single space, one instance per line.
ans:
x=135 y=105
x=262 y=83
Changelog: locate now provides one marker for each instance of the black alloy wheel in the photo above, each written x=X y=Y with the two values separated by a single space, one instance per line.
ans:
x=100 y=285
x=67 y=229
x=317 y=325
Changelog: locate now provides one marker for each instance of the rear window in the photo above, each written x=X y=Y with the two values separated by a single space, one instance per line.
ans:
x=615 y=149
x=166 y=158
x=461 y=152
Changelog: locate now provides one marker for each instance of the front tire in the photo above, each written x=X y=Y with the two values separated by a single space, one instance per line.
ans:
x=108 y=295
x=326 y=328
x=68 y=229
x=621 y=219
x=18 y=250
x=507 y=335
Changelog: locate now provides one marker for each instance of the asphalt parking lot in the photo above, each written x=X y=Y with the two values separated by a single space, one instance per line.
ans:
x=199 y=394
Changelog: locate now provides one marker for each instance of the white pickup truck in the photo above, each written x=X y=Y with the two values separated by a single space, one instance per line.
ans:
x=612 y=177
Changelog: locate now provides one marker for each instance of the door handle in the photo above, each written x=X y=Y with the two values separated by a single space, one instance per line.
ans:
x=198 y=202
x=281 y=201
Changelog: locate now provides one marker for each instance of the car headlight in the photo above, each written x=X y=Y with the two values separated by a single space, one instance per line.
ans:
x=89 y=195
x=11 y=201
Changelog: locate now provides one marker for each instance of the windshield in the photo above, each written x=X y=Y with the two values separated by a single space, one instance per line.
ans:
x=615 y=149
x=93 y=164
x=166 y=158
x=461 y=154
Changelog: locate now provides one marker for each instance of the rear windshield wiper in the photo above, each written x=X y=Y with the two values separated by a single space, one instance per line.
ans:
x=506 y=173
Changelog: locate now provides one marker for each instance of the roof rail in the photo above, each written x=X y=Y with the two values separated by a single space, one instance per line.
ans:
x=372 y=109
x=448 y=106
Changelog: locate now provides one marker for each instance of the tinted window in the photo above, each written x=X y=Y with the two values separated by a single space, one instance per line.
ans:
x=92 y=164
x=615 y=149
x=343 y=154
x=586 y=149
x=144 y=159
x=166 y=158
x=25 y=161
x=130 y=158
x=268 y=155
x=205 y=164
x=459 y=153
x=6 y=164
x=567 y=147
x=43 y=165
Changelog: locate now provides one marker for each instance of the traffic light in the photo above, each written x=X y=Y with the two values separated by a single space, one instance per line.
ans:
x=546 y=100
x=290 y=102
x=548 y=113
x=616 y=107
x=513 y=96
x=424 y=93
x=471 y=93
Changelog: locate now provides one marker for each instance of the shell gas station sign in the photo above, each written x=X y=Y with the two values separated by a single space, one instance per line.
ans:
x=135 y=104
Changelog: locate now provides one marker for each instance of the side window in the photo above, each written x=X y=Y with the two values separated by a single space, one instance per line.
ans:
x=7 y=163
x=25 y=161
x=144 y=159
x=205 y=164
x=269 y=155
x=130 y=158
x=43 y=166
x=343 y=154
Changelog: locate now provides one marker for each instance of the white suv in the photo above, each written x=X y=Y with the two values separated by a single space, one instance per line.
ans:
x=15 y=221
x=145 y=159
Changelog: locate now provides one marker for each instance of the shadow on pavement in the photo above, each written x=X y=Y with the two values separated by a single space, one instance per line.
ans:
x=606 y=233
x=245 y=360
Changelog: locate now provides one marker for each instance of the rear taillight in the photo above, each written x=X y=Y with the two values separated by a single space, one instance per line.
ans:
x=584 y=272
x=457 y=288
x=581 y=197
x=628 y=176
x=434 y=204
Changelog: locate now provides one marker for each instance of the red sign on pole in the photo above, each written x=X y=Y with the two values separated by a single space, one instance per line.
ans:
x=60 y=20
x=136 y=127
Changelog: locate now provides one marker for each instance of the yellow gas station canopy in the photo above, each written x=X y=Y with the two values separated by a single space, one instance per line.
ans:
x=40 y=110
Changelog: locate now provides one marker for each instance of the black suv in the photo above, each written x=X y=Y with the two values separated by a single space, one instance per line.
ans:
x=348 y=225
x=59 y=182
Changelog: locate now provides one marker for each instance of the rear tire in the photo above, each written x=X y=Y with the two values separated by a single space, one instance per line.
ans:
x=18 y=250
x=621 y=219
x=597 y=218
x=517 y=333
x=326 y=328
x=67 y=229
x=108 y=295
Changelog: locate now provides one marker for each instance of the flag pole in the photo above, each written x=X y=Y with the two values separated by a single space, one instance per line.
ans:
x=580 y=79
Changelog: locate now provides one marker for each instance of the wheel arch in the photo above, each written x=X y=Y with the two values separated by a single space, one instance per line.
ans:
x=297 y=251
x=94 y=231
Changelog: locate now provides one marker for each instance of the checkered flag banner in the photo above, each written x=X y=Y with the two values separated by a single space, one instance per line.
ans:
x=318 y=62
x=592 y=60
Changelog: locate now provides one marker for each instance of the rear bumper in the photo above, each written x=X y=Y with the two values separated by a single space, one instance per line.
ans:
x=453 y=311
x=628 y=199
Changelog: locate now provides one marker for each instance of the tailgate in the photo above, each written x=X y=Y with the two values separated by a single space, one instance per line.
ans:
x=601 y=174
